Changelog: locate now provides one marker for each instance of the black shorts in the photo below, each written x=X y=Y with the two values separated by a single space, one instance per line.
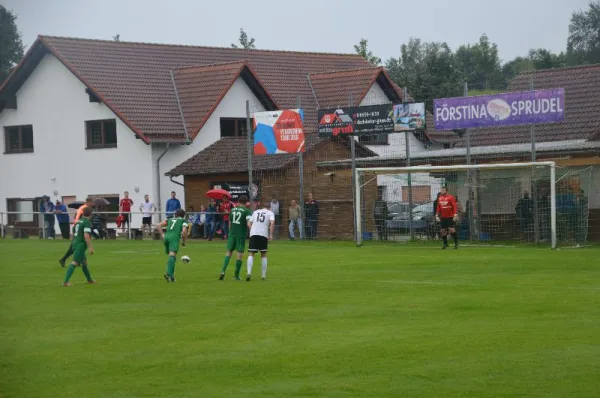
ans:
x=258 y=244
x=126 y=218
x=146 y=220
x=446 y=223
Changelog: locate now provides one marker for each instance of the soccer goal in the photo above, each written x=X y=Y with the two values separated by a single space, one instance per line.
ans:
x=500 y=203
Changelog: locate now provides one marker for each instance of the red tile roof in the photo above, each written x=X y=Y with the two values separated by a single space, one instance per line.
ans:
x=582 y=107
x=134 y=79
x=201 y=88
x=333 y=89
x=230 y=155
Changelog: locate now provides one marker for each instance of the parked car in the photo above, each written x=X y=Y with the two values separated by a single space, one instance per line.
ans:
x=422 y=218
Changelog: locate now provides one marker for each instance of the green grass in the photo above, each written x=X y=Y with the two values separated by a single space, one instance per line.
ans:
x=333 y=320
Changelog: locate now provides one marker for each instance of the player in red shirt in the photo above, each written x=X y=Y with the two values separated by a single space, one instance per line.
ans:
x=125 y=210
x=447 y=214
x=225 y=209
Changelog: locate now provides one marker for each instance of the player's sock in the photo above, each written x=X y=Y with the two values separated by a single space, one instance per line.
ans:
x=171 y=266
x=238 y=267
x=264 y=267
x=249 y=265
x=225 y=264
x=70 y=271
x=455 y=237
x=445 y=239
x=86 y=272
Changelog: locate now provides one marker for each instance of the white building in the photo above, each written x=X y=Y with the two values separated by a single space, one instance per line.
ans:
x=85 y=118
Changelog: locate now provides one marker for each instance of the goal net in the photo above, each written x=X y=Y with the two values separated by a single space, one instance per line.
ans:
x=500 y=203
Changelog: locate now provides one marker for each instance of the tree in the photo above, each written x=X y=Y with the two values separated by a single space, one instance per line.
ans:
x=583 y=44
x=117 y=37
x=544 y=59
x=427 y=70
x=362 y=49
x=480 y=64
x=244 y=42
x=11 y=45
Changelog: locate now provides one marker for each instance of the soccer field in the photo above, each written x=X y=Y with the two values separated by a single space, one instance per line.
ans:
x=332 y=320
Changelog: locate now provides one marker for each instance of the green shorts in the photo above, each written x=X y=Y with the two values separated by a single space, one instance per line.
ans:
x=171 y=245
x=236 y=243
x=79 y=255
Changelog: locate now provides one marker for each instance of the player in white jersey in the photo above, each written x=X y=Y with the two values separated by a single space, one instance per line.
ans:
x=261 y=226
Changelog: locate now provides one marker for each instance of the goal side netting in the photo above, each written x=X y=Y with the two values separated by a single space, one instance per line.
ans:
x=498 y=203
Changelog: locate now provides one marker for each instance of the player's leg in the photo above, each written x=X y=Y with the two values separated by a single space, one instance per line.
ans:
x=444 y=234
x=230 y=248
x=69 y=273
x=240 y=248
x=86 y=272
x=66 y=256
x=454 y=236
x=249 y=263
x=263 y=257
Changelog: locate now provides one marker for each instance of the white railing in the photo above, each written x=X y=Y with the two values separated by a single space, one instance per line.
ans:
x=7 y=224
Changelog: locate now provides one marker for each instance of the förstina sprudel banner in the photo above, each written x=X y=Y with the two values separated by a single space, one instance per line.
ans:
x=527 y=107
x=279 y=132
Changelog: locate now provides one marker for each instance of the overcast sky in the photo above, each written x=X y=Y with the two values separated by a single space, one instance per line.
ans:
x=306 y=25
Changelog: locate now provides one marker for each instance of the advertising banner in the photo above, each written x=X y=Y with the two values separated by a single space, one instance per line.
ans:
x=237 y=189
x=528 y=107
x=278 y=132
x=371 y=119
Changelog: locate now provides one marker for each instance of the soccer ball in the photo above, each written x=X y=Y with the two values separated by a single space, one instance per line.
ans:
x=185 y=259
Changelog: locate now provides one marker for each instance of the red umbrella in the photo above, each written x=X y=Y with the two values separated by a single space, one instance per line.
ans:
x=217 y=194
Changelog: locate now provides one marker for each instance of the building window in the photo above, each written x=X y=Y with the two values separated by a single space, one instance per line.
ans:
x=18 y=139
x=101 y=134
x=233 y=127
x=374 y=139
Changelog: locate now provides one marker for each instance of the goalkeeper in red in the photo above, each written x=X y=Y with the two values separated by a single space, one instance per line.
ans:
x=447 y=214
x=177 y=229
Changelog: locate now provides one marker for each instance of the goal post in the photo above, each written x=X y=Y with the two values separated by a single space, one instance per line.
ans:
x=499 y=185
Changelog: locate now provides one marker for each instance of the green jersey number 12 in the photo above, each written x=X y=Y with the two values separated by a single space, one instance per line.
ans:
x=237 y=216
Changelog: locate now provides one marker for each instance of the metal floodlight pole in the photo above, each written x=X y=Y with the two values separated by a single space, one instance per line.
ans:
x=534 y=194
x=355 y=186
x=249 y=140
x=470 y=197
x=553 y=204
x=409 y=177
x=301 y=175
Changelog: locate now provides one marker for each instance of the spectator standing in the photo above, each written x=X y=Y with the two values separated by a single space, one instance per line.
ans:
x=311 y=208
x=148 y=209
x=99 y=220
x=581 y=222
x=275 y=210
x=225 y=209
x=47 y=208
x=125 y=211
x=380 y=214
x=295 y=219
x=211 y=218
x=193 y=231
x=62 y=217
x=524 y=212
x=202 y=225
x=173 y=205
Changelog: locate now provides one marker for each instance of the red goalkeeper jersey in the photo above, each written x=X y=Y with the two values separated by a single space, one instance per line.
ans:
x=446 y=207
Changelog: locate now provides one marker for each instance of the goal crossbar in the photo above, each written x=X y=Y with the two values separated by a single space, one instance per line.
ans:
x=420 y=169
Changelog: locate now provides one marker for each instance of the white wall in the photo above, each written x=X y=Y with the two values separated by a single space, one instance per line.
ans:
x=54 y=101
x=232 y=105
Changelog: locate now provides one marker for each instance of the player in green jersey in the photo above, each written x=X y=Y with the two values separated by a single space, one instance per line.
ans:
x=82 y=241
x=238 y=231
x=177 y=229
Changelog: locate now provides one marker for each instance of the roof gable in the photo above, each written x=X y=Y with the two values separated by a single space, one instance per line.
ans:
x=336 y=88
x=134 y=79
x=200 y=89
